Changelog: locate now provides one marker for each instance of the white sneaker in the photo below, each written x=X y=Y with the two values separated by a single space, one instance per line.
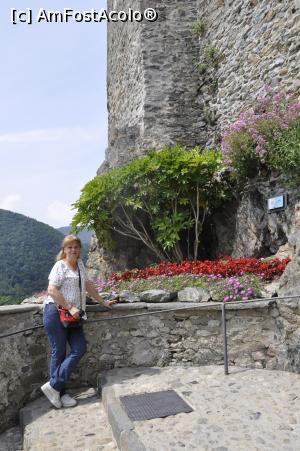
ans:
x=68 y=401
x=52 y=394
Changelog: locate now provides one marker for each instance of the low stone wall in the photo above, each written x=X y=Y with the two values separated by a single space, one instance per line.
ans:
x=260 y=335
x=23 y=360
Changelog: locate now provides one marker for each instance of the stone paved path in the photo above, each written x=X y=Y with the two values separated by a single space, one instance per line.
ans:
x=83 y=427
x=248 y=410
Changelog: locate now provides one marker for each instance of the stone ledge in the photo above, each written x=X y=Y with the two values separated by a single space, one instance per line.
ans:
x=154 y=306
x=22 y=308
x=251 y=305
x=8 y=309
x=174 y=305
x=118 y=307
x=211 y=305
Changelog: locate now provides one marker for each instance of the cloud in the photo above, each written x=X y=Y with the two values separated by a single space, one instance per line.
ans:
x=10 y=202
x=59 y=214
x=79 y=135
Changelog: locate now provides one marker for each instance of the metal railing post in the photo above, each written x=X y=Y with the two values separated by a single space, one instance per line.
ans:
x=224 y=339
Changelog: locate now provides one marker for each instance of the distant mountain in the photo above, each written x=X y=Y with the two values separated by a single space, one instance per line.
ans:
x=85 y=235
x=27 y=253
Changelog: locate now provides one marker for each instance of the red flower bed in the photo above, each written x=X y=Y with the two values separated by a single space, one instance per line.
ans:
x=225 y=267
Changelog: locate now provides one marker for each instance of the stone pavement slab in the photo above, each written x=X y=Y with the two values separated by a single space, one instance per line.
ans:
x=248 y=410
x=83 y=427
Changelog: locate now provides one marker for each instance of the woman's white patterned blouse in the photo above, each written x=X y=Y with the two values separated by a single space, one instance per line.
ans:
x=67 y=281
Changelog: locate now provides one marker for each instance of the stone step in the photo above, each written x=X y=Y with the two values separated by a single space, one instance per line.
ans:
x=122 y=427
x=83 y=427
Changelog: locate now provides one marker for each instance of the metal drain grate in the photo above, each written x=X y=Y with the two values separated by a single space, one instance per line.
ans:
x=160 y=404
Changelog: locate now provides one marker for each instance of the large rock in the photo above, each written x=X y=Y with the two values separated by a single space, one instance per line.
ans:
x=128 y=297
x=155 y=296
x=106 y=296
x=285 y=251
x=289 y=283
x=247 y=229
x=127 y=253
x=193 y=294
x=271 y=289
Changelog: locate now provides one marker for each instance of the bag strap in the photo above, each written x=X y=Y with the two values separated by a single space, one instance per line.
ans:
x=80 y=285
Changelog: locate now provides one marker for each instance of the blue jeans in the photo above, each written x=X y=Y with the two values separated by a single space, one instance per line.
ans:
x=60 y=364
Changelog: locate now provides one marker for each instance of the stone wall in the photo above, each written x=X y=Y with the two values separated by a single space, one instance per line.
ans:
x=23 y=360
x=151 y=81
x=259 y=44
x=260 y=335
x=125 y=86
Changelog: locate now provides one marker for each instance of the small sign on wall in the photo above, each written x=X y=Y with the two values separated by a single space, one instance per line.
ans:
x=277 y=203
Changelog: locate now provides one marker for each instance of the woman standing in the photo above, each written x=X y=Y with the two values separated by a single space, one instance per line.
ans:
x=68 y=284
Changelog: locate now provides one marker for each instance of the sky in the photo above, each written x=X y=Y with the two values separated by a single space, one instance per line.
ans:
x=53 y=114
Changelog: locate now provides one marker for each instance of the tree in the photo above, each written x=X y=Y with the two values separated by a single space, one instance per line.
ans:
x=161 y=199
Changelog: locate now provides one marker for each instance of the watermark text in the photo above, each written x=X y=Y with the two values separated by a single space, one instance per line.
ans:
x=67 y=15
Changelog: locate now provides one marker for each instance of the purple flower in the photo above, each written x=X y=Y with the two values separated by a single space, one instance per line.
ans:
x=252 y=131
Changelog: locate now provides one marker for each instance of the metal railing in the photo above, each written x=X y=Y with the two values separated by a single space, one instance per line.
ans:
x=222 y=305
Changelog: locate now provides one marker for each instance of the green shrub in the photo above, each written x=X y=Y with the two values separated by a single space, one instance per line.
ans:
x=199 y=27
x=161 y=199
x=212 y=56
x=285 y=155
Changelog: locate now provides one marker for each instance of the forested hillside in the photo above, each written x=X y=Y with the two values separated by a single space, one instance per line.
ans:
x=27 y=253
